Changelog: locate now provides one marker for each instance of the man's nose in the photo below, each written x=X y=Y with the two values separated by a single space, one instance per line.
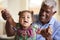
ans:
x=44 y=13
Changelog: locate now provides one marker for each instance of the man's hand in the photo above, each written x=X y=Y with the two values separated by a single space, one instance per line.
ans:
x=5 y=14
x=50 y=30
x=46 y=32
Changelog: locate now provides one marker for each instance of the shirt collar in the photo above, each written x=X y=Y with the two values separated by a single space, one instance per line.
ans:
x=51 y=22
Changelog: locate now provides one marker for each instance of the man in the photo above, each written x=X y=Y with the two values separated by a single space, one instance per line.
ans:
x=46 y=20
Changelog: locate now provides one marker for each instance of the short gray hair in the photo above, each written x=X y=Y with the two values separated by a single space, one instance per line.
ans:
x=51 y=3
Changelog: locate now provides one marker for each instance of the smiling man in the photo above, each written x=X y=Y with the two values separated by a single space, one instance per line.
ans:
x=51 y=28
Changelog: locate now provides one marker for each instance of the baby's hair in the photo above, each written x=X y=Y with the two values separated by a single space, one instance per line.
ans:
x=31 y=12
x=21 y=12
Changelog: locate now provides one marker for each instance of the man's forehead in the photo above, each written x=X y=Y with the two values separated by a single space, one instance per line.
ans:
x=46 y=7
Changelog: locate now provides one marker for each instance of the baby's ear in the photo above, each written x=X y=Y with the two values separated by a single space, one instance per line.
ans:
x=32 y=12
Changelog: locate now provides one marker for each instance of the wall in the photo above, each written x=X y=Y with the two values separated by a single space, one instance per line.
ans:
x=13 y=6
x=57 y=15
x=3 y=4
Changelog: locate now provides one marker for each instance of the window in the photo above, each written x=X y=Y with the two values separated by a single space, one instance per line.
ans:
x=59 y=7
x=35 y=5
x=3 y=4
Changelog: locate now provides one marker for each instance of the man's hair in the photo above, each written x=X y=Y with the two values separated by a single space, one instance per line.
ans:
x=51 y=3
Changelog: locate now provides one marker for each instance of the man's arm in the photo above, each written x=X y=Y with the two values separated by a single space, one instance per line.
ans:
x=9 y=23
x=9 y=29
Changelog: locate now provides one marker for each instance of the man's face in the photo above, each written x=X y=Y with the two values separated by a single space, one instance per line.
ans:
x=25 y=19
x=45 y=14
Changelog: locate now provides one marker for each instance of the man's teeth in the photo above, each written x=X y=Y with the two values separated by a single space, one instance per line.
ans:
x=43 y=17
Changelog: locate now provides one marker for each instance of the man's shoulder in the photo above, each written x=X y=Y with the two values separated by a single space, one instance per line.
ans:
x=56 y=22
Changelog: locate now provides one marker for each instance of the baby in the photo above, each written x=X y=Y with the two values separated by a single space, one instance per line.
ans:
x=23 y=29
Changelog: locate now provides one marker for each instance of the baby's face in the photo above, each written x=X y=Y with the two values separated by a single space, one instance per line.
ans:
x=25 y=19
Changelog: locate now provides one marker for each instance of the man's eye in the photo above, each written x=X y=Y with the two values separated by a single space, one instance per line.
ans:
x=47 y=11
x=42 y=10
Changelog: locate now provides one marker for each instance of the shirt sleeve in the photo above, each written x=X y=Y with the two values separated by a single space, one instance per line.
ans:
x=35 y=27
x=57 y=34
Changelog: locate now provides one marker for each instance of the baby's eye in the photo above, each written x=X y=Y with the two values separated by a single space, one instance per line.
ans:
x=22 y=17
x=28 y=17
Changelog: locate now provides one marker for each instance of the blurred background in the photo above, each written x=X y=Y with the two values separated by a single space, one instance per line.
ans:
x=14 y=6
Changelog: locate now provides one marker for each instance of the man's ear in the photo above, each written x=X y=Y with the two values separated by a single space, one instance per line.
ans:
x=55 y=12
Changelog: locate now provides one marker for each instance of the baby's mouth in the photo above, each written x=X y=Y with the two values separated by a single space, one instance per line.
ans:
x=25 y=21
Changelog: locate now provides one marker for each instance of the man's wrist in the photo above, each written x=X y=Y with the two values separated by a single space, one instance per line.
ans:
x=49 y=38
